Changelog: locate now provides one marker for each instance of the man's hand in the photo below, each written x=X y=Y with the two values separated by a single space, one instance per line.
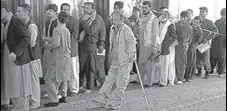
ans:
x=100 y=49
x=85 y=17
x=12 y=56
x=205 y=41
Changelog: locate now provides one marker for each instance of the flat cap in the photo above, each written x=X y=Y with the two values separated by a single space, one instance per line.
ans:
x=204 y=8
x=136 y=8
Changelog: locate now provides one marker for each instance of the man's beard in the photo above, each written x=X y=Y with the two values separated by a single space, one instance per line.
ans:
x=146 y=13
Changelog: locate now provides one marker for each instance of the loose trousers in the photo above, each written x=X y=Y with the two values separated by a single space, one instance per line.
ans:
x=181 y=61
x=191 y=63
x=219 y=62
x=74 y=82
x=52 y=87
x=20 y=104
x=203 y=60
x=120 y=75
x=148 y=69
x=36 y=72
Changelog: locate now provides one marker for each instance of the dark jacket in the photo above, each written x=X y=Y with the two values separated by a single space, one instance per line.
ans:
x=18 y=41
x=208 y=25
x=218 y=46
x=169 y=39
x=73 y=26
x=53 y=25
x=92 y=37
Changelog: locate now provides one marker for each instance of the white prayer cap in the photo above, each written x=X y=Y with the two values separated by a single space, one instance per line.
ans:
x=89 y=1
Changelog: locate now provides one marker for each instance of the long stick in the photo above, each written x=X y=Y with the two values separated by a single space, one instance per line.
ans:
x=141 y=83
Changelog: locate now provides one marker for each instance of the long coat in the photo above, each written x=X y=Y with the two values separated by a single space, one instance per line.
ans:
x=218 y=47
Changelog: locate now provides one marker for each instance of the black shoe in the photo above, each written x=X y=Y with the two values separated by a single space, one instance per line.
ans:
x=187 y=81
x=5 y=107
x=206 y=75
x=62 y=100
x=212 y=71
x=155 y=84
x=54 y=104
x=146 y=86
x=134 y=82
x=160 y=85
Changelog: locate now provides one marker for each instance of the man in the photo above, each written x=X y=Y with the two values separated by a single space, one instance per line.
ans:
x=23 y=12
x=73 y=26
x=58 y=73
x=122 y=55
x=90 y=27
x=149 y=40
x=191 y=53
x=4 y=100
x=17 y=76
x=118 y=7
x=166 y=69
x=203 y=59
x=190 y=15
x=135 y=22
x=50 y=24
x=218 y=46
x=184 y=33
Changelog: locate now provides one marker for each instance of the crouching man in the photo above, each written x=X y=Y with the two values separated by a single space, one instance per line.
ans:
x=122 y=55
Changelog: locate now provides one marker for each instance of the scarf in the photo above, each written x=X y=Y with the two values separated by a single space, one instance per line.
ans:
x=148 y=32
x=163 y=27
x=90 y=20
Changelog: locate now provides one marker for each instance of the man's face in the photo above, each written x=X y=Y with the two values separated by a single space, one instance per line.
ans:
x=117 y=9
x=146 y=9
x=66 y=8
x=3 y=14
x=196 y=23
x=51 y=13
x=88 y=9
x=183 y=19
x=202 y=13
x=21 y=13
x=136 y=13
x=164 y=16
x=190 y=13
x=116 y=20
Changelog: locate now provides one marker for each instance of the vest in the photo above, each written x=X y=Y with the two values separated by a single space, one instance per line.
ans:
x=36 y=50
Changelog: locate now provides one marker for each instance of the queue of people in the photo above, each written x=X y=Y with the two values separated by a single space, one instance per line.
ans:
x=66 y=55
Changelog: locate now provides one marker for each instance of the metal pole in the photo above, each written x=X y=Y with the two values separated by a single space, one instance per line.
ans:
x=141 y=83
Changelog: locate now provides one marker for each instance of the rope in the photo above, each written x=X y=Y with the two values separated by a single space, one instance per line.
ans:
x=212 y=32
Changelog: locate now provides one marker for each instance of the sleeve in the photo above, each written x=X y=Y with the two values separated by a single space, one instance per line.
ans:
x=55 y=41
x=172 y=34
x=75 y=31
x=213 y=28
x=127 y=22
x=131 y=42
x=2 y=33
x=93 y=28
x=23 y=44
x=34 y=33
x=190 y=35
x=102 y=36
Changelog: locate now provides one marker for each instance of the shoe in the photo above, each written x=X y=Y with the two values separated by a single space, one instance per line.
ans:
x=98 y=103
x=206 y=75
x=134 y=82
x=51 y=104
x=186 y=81
x=33 y=107
x=87 y=92
x=199 y=73
x=59 y=96
x=212 y=71
x=179 y=82
x=155 y=84
x=44 y=95
x=114 y=107
x=160 y=85
x=5 y=107
x=147 y=86
x=72 y=94
x=221 y=75
x=62 y=100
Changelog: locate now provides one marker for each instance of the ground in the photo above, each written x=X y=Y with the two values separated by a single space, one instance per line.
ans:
x=198 y=95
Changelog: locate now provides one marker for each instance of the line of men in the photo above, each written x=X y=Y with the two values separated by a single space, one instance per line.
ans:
x=166 y=51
